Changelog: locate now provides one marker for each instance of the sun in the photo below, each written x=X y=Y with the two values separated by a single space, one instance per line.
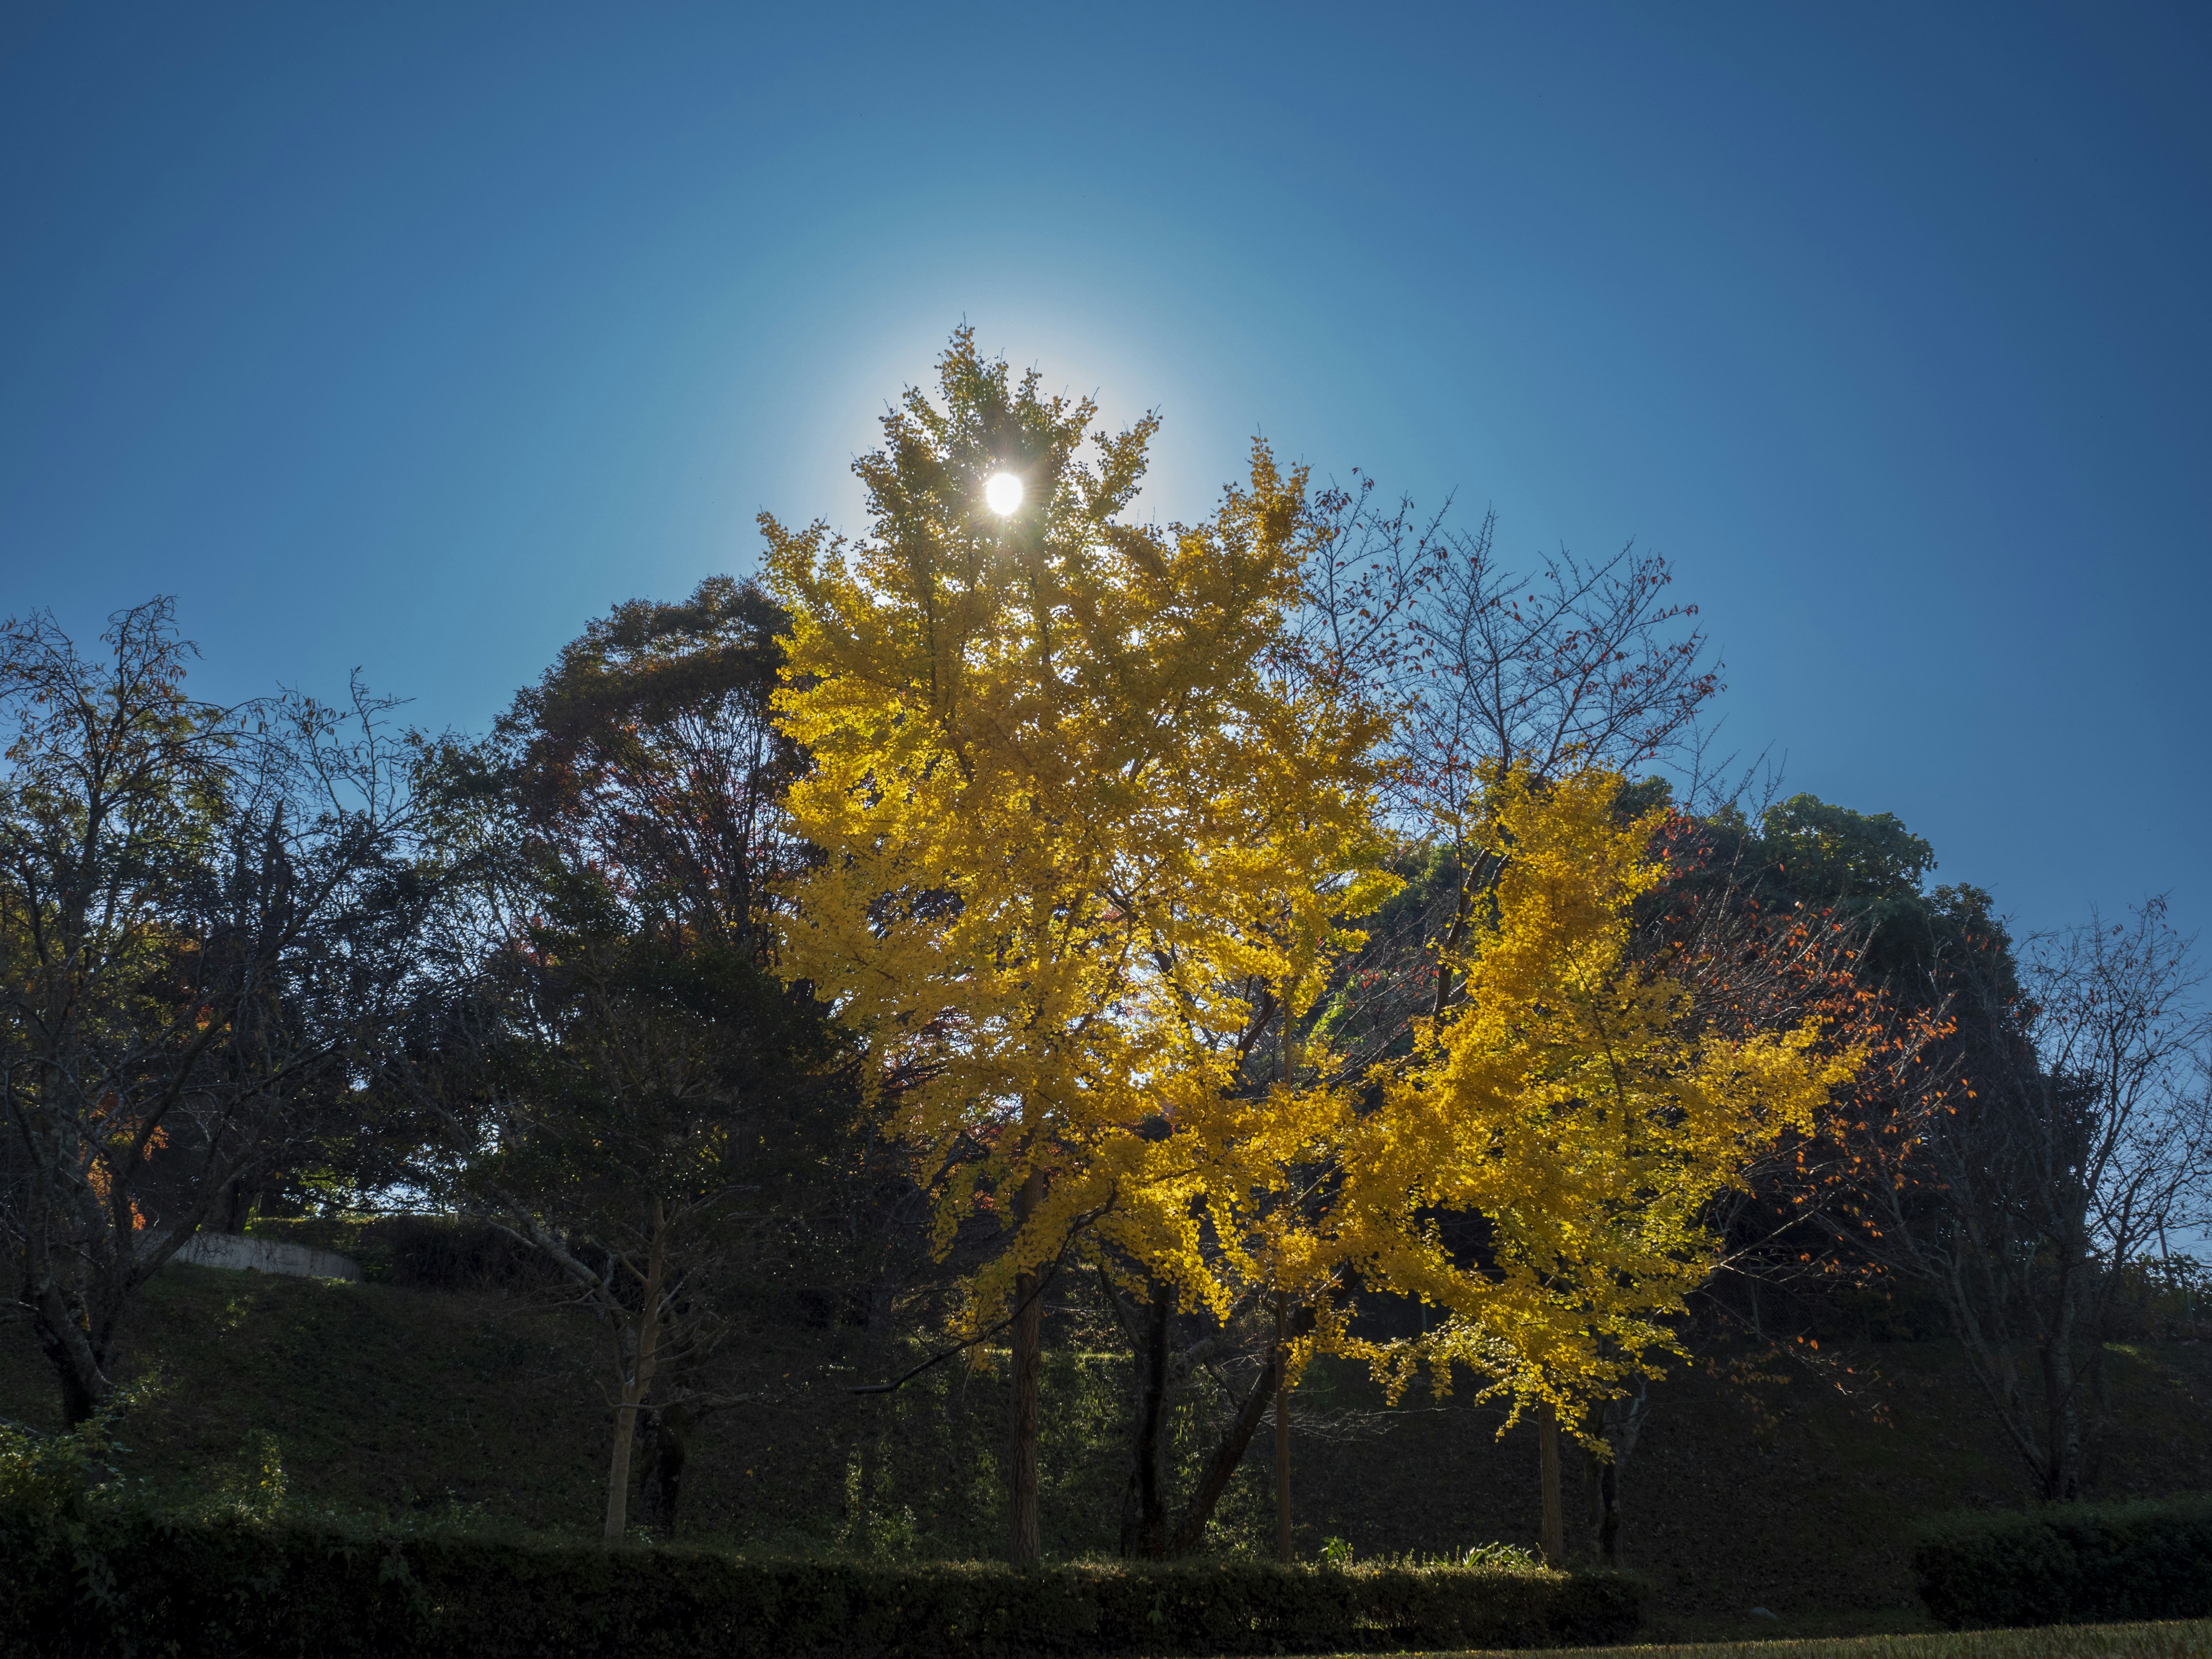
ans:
x=1002 y=494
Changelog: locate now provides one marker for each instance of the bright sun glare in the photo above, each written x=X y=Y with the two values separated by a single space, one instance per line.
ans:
x=1002 y=494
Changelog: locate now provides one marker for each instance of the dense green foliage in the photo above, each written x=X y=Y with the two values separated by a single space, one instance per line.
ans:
x=2069 y=1564
x=231 y=1581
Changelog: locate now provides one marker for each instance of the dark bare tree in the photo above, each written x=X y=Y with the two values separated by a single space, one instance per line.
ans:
x=1566 y=662
x=2065 y=1135
x=203 y=918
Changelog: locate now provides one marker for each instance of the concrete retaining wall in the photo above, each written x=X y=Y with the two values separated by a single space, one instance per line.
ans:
x=266 y=1255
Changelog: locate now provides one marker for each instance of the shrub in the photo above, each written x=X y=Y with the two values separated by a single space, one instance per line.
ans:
x=228 y=1582
x=48 y=1488
x=2068 y=1564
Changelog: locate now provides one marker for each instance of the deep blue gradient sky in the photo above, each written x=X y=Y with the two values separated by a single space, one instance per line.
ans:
x=412 y=337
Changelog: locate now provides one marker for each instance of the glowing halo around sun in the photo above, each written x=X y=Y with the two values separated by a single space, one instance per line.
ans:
x=1002 y=494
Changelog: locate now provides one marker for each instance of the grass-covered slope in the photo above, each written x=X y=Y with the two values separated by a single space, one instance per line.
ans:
x=1788 y=1496
x=2177 y=1639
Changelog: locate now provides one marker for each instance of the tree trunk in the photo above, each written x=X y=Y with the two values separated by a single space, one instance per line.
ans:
x=1605 y=1510
x=1284 y=1550
x=668 y=1436
x=626 y=1409
x=1145 y=1530
x=1554 y=1538
x=238 y=1202
x=80 y=1359
x=1618 y=1422
x=2061 y=1422
x=1145 y=1515
x=637 y=1386
x=2101 y=1416
x=1235 y=1441
x=85 y=1388
x=1023 y=1547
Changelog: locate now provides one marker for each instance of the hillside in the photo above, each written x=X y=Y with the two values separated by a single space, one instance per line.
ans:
x=1785 y=1494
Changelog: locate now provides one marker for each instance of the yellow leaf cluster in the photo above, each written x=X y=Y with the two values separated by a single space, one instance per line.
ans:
x=1570 y=1100
x=1086 y=831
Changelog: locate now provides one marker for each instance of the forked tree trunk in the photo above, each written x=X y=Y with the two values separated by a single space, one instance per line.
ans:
x=637 y=1386
x=1023 y=1547
x=1145 y=1527
x=80 y=1359
x=1229 y=1454
x=1619 y=1424
x=1554 y=1540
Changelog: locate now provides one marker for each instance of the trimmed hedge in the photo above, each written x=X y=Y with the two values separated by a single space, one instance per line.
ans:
x=2068 y=1564
x=124 y=1580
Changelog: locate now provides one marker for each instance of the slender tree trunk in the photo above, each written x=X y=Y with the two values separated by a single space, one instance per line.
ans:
x=2061 y=1427
x=1619 y=1423
x=1235 y=1441
x=1145 y=1524
x=2062 y=1416
x=1554 y=1538
x=637 y=1386
x=665 y=1431
x=1284 y=1550
x=1605 y=1510
x=667 y=1445
x=626 y=1410
x=1024 y=1548
x=2101 y=1416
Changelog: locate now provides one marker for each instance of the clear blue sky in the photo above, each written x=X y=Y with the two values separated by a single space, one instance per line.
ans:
x=413 y=336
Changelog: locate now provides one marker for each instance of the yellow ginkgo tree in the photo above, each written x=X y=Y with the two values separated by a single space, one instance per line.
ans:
x=1572 y=1099
x=1088 y=831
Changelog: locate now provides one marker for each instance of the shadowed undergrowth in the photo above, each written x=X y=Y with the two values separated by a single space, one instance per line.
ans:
x=1785 y=1495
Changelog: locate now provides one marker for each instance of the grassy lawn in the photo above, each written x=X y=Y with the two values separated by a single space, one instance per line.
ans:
x=2185 y=1639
